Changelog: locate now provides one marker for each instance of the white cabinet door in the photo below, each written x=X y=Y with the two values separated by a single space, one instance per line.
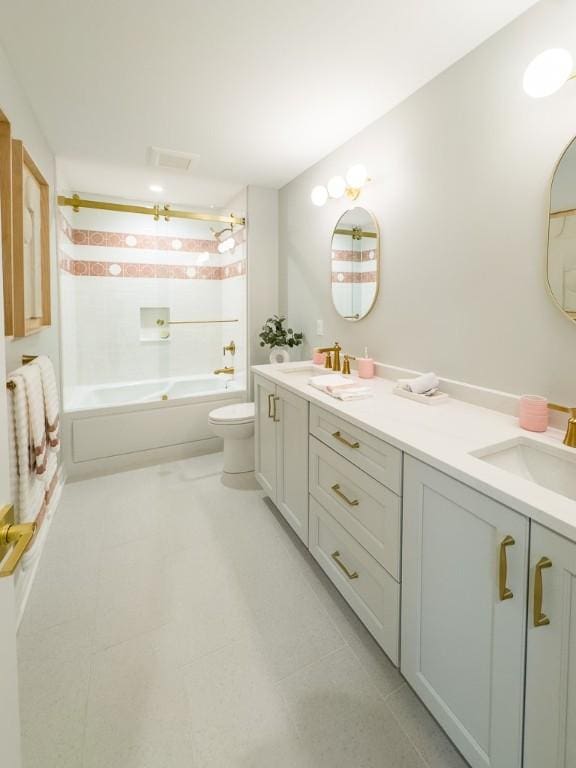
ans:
x=292 y=460
x=462 y=644
x=265 y=435
x=550 y=734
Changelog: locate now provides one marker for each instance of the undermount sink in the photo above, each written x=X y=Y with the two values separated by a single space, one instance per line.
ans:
x=550 y=467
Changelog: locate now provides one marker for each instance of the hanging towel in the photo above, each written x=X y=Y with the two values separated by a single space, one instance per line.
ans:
x=36 y=417
x=28 y=489
x=51 y=401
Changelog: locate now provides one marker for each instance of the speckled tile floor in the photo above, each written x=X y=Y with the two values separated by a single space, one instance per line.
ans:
x=177 y=623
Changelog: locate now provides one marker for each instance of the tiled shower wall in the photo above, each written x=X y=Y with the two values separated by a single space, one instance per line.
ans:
x=113 y=264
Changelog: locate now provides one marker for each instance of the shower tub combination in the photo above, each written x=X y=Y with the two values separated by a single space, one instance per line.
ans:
x=118 y=426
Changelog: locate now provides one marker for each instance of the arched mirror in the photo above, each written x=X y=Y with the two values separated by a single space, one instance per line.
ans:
x=355 y=262
x=561 y=267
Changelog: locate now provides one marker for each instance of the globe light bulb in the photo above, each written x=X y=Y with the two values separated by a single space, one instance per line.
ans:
x=336 y=187
x=547 y=73
x=319 y=195
x=356 y=176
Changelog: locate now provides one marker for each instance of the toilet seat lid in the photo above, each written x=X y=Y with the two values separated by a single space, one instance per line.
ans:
x=239 y=413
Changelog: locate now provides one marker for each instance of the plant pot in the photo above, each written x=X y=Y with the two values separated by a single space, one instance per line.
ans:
x=279 y=355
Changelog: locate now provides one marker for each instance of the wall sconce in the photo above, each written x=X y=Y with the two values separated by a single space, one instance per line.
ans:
x=548 y=72
x=351 y=186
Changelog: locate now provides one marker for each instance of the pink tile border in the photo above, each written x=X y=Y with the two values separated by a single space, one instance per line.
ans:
x=350 y=256
x=354 y=277
x=85 y=268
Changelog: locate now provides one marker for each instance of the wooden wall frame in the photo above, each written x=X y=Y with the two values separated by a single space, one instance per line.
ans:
x=6 y=220
x=22 y=163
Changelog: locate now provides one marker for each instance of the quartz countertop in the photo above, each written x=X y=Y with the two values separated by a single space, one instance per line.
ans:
x=443 y=436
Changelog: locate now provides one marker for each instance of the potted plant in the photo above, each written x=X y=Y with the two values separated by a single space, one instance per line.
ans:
x=279 y=339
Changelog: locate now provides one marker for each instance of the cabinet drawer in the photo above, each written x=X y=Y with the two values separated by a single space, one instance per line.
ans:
x=374 y=456
x=372 y=593
x=363 y=506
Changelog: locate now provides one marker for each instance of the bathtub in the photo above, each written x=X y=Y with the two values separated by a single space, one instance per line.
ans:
x=109 y=427
x=103 y=395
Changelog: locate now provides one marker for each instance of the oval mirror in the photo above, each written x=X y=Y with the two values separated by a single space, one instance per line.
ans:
x=561 y=266
x=355 y=263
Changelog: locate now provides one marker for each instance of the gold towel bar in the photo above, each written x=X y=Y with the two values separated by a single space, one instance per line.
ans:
x=202 y=322
x=11 y=385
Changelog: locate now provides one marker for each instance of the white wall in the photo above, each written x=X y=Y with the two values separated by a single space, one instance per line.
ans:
x=25 y=127
x=262 y=265
x=461 y=181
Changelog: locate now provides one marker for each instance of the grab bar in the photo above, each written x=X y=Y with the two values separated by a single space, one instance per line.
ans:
x=203 y=322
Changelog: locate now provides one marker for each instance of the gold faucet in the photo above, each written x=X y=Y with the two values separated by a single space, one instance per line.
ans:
x=227 y=369
x=346 y=364
x=230 y=348
x=334 y=364
x=570 y=436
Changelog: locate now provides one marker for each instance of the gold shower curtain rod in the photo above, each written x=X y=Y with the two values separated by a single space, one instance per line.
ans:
x=75 y=202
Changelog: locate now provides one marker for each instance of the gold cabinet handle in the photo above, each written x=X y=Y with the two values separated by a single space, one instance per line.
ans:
x=336 y=557
x=339 y=437
x=19 y=537
x=270 y=405
x=540 y=619
x=275 y=413
x=338 y=492
x=505 y=593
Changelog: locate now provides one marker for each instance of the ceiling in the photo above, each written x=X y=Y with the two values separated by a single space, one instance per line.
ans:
x=260 y=89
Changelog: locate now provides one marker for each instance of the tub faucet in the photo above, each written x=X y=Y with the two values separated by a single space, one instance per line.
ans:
x=227 y=369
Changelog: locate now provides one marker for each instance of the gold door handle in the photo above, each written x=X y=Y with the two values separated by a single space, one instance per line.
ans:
x=338 y=492
x=336 y=557
x=14 y=539
x=540 y=619
x=505 y=593
x=339 y=437
x=276 y=398
x=270 y=406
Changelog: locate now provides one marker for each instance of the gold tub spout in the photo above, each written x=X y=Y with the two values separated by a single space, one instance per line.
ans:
x=227 y=369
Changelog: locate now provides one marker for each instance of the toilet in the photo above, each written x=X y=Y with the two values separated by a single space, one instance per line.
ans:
x=235 y=425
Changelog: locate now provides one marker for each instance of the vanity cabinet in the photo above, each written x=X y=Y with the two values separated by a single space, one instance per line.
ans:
x=550 y=732
x=281 y=451
x=464 y=565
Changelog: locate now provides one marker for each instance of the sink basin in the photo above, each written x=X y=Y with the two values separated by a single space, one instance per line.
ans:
x=543 y=464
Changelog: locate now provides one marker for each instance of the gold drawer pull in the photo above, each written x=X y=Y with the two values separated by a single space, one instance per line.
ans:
x=270 y=405
x=275 y=413
x=540 y=619
x=339 y=437
x=340 y=564
x=17 y=536
x=505 y=593
x=338 y=492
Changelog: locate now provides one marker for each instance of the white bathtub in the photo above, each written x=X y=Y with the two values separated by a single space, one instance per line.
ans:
x=117 y=426
x=103 y=395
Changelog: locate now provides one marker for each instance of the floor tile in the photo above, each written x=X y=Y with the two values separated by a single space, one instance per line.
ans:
x=342 y=719
x=178 y=623
x=423 y=730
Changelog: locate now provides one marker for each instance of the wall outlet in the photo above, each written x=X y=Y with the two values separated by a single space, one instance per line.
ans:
x=320 y=327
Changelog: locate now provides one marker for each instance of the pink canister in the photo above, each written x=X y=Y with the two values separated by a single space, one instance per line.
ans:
x=533 y=413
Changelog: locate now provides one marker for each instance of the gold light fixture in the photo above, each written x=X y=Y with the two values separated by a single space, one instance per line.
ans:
x=337 y=186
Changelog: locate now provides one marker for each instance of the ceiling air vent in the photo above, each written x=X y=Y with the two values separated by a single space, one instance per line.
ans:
x=171 y=159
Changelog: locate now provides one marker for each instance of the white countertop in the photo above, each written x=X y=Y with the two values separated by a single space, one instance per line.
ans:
x=443 y=436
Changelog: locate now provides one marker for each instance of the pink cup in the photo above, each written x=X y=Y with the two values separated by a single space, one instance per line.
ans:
x=533 y=413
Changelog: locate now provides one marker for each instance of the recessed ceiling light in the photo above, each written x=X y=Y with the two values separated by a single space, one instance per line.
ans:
x=156 y=188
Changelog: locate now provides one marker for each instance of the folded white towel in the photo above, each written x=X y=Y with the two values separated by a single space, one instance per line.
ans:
x=328 y=380
x=420 y=384
x=352 y=393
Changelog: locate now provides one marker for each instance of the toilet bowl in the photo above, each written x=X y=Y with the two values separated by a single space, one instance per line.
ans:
x=235 y=425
